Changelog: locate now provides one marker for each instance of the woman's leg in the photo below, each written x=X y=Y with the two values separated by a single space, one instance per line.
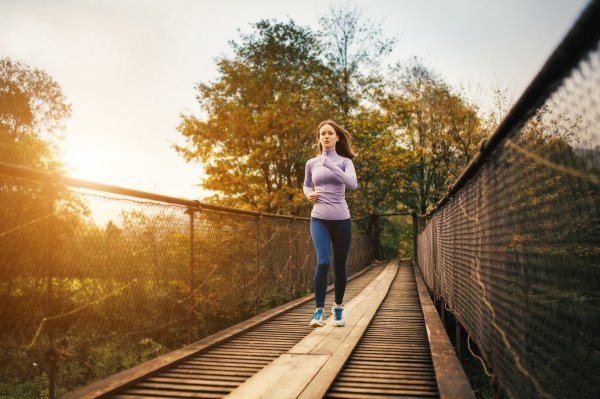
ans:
x=321 y=238
x=341 y=235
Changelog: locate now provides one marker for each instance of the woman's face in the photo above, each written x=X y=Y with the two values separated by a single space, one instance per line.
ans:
x=328 y=137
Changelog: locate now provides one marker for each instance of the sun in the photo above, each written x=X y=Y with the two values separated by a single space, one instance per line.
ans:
x=84 y=163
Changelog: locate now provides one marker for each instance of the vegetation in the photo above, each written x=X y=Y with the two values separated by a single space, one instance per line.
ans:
x=103 y=298
x=32 y=112
x=412 y=132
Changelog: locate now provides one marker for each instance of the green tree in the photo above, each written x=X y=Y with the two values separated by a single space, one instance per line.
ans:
x=35 y=220
x=439 y=128
x=379 y=164
x=260 y=116
x=32 y=112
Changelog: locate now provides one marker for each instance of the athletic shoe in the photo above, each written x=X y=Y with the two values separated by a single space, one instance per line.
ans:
x=318 y=318
x=338 y=321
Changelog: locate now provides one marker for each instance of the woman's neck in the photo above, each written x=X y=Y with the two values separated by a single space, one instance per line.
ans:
x=329 y=152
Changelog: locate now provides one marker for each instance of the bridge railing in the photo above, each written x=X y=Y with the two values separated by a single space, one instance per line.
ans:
x=95 y=279
x=513 y=249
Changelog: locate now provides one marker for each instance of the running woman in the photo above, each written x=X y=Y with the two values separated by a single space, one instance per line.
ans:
x=325 y=180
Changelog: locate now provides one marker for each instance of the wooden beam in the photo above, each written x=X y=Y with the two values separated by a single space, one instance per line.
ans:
x=451 y=379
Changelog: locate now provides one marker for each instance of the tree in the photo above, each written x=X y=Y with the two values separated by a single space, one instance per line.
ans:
x=353 y=51
x=32 y=108
x=440 y=129
x=379 y=164
x=35 y=219
x=261 y=113
x=32 y=111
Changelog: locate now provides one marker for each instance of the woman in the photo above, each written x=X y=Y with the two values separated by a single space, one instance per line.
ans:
x=325 y=181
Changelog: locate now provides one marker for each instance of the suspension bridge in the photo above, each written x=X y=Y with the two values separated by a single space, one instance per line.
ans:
x=129 y=294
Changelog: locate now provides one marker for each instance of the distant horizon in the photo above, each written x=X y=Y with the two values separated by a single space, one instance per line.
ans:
x=129 y=70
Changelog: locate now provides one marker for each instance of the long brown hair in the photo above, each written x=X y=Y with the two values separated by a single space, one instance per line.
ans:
x=344 y=145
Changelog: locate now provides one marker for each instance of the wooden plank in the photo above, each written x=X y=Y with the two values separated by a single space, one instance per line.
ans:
x=289 y=368
x=197 y=382
x=296 y=378
x=148 y=393
x=451 y=379
x=374 y=376
x=392 y=391
x=231 y=352
x=167 y=386
x=227 y=365
x=394 y=367
x=124 y=396
x=319 y=334
x=349 y=395
x=229 y=361
x=212 y=368
x=324 y=350
x=203 y=377
x=396 y=380
x=319 y=385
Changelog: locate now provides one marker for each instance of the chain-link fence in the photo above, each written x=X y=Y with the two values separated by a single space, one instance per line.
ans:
x=93 y=282
x=514 y=248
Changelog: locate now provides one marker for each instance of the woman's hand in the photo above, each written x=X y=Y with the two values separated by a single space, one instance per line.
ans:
x=312 y=197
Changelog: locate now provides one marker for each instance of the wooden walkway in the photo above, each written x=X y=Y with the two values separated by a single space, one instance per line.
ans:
x=393 y=345
x=393 y=357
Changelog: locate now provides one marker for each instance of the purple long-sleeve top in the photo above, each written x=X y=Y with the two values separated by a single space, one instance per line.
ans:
x=330 y=174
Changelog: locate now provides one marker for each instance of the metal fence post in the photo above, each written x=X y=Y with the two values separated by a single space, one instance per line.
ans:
x=291 y=259
x=190 y=211
x=415 y=236
x=257 y=282
x=51 y=355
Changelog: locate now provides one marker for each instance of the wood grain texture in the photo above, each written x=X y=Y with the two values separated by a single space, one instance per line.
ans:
x=392 y=358
x=319 y=357
x=450 y=376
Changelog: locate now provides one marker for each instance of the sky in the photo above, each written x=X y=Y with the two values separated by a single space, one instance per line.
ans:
x=129 y=68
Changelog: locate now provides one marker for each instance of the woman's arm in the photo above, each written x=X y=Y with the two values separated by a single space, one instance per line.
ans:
x=308 y=183
x=348 y=176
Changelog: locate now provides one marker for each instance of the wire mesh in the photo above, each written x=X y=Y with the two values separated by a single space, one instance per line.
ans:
x=93 y=283
x=515 y=253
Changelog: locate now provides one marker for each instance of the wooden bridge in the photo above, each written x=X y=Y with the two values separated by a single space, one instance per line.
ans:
x=393 y=344
x=511 y=251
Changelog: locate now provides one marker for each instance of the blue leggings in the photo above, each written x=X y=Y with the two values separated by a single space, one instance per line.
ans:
x=339 y=233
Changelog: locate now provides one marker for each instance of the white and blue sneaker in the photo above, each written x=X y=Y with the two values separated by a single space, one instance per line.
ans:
x=338 y=321
x=318 y=318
